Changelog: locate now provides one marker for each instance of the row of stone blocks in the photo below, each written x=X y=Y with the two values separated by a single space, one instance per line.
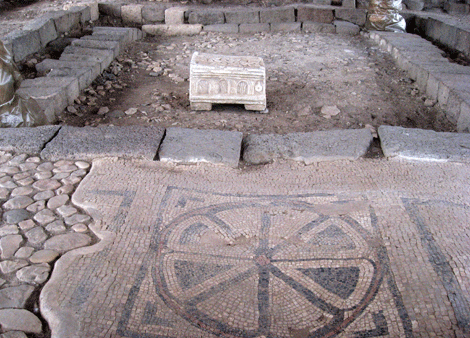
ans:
x=46 y=28
x=338 y=27
x=187 y=146
x=446 y=82
x=138 y=14
x=448 y=32
x=79 y=65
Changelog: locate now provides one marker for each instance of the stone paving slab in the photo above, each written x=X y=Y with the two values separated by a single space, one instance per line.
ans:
x=76 y=143
x=424 y=145
x=182 y=145
x=367 y=249
x=26 y=140
x=307 y=147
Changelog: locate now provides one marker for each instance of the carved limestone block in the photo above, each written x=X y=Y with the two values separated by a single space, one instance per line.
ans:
x=227 y=79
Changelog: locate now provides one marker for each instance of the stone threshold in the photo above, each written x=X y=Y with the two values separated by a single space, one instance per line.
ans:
x=229 y=148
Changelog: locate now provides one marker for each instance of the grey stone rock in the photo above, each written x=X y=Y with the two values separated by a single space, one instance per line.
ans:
x=84 y=75
x=183 y=145
x=15 y=297
x=66 y=210
x=36 y=207
x=26 y=140
x=88 y=143
x=19 y=320
x=67 y=242
x=285 y=27
x=315 y=14
x=103 y=56
x=13 y=334
x=280 y=14
x=34 y=274
x=222 y=28
x=47 y=184
x=307 y=147
x=18 y=202
x=21 y=191
x=174 y=15
x=77 y=218
x=9 y=244
x=23 y=43
x=11 y=266
x=45 y=28
x=66 y=85
x=206 y=17
x=44 y=256
x=44 y=217
x=114 y=46
x=8 y=230
x=24 y=252
x=237 y=16
x=424 y=145
x=57 y=201
x=56 y=227
x=36 y=235
x=49 y=65
x=353 y=15
x=26 y=225
x=4 y=192
x=132 y=34
x=52 y=100
x=153 y=13
x=110 y=8
x=246 y=28
x=131 y=14
x=43 y=195
x=346 y=28
x=64 y=21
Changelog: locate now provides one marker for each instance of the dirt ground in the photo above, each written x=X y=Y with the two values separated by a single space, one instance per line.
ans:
x=305 y=73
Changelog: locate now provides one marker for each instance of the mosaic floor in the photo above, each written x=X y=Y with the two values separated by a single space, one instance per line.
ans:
x=363 y=249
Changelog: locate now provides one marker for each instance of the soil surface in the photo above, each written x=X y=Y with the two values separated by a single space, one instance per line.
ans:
x=308 y=75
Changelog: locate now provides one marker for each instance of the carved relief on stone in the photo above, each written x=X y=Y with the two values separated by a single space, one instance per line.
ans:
x=227 y=79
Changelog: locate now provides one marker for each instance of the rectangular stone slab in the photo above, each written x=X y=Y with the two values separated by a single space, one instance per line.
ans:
x=227 y=79
x=88 y=143
x=26 y=140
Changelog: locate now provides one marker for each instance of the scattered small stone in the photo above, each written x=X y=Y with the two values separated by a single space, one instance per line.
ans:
x=36 y=235
x=24 y=252
x=429 y=103
x=103 y=111
x=44 y=256
x=372 y=129
x=45 y=216
x=19 y=320
x=35 y=274
x=329 y=111
x=116 y=114
x=130 y=111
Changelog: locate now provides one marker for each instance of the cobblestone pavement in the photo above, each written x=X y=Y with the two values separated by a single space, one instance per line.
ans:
x=369 y=248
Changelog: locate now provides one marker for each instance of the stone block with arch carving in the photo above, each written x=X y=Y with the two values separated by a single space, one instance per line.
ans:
x=227 y=79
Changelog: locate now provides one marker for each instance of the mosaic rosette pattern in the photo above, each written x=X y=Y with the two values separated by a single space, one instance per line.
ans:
x=276 y=266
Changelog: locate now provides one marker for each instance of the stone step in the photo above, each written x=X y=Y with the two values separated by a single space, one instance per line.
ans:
x=106 y=141
x=424 y=145
x=69 y=85
x=307 y=147
x=182 y=145
x=107 y=56
x=50 y=99
x=49 y=64
x=114 y=46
